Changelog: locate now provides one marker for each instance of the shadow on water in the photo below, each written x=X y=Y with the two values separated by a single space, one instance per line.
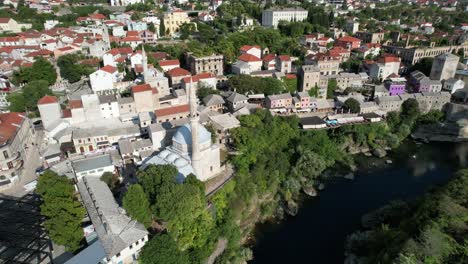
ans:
x=318 y=232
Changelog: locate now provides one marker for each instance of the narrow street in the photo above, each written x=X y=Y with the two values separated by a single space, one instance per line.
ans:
x=32 y=161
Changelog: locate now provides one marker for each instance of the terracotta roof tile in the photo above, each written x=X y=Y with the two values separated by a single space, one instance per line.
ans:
x=48 y=99
x=75 y=104
x=141 y=88
x=8 y=125
x=172 y=110
x=248 y=58
x=109 y=69
x=177 y=72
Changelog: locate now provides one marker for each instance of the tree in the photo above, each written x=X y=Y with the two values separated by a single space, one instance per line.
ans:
x=151 y=27
x=70 y=69
x=154 y=177
x=110 y=179
x=137 y=205
x=203 y=91
x=62 y=209
x=332 y=85
x=410 y=110
x=245 y=83
x=352 y=105
x=309 y=165
x=162 y=249
x=181 y=206
x=27 y=98
x=40 y=70
x=424 y=66
x=162 y=29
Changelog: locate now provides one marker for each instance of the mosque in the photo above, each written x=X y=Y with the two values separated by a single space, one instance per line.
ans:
x=192 y=150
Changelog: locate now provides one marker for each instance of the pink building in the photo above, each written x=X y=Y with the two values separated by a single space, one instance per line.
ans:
x=279 y=101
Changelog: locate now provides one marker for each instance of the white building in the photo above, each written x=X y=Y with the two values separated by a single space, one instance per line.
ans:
x=124 y=2
x=50 y=110
x=109 y=106
x=93 y=166
x=272 y=17
x=384 y=67
x=192 y=151
x=452 y=85
x=104 y=79
x=121 y=237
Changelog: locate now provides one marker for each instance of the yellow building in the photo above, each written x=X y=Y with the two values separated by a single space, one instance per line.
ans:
x=173 y=20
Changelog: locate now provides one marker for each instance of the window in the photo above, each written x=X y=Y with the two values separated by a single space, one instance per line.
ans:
x=118 y=255
x=131 y=247
x=138 y=242
x=5 y=154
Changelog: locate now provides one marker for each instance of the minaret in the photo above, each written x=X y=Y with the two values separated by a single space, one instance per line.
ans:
x=196 y=157
x=144 y=61
x=105 y=36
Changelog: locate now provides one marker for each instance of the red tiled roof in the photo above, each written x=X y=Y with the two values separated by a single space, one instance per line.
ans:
x=172 y=110
x=97 y=16
x=67 y=48
x=66 y=113
x=246 y=48
x=8 y=128
x=248 y=58
x=131 y=38
x=132 y=33
x=389 y=59
x=48 y=99
x=349 y=39
x=9 y=39
x=141 y=88
x=200 y=76
x=109 y=69
x=284 y=57
x=169 y=63
x=154 y=91
x=176 y=72
x=42 y=52
x=4 y=19
x=159 y=55
x=75 y=104
x=290 y=76
x=269 y=57
x=138 y=68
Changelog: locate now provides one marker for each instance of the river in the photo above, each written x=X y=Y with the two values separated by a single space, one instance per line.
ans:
x=317 y=233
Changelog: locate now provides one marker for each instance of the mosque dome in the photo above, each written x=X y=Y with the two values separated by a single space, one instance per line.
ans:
x=180 y=162
x=171 y=157
x=184 y=135
x=163 y=154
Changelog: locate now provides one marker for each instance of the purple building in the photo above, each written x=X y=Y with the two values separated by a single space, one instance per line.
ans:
x=395 y=86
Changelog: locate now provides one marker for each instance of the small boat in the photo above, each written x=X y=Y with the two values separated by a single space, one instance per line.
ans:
x=414 y=156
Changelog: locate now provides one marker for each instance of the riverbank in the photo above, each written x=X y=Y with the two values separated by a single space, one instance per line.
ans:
x=319 y=229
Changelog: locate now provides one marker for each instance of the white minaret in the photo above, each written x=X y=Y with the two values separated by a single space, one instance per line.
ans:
x=196 y=157
x=144 y=61
x=105 y=37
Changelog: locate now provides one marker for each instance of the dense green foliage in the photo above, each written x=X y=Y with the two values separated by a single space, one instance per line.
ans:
x=245 y=84
x=26 y=99
x=180 y=207
x=332 y=85
x=40 y=70
x=352 y=105
x=424 y=66
x=71 y=69
x=62 y=209
x=110 y=179
x=203 y=92
x=432 y=229
x=137 y=205
x=163 y=249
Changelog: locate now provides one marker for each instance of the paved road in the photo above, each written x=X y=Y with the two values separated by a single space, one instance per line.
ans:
x=31 y=163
